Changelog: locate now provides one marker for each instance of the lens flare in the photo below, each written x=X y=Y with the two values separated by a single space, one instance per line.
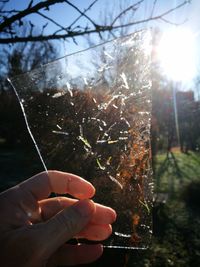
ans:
x=176 y=52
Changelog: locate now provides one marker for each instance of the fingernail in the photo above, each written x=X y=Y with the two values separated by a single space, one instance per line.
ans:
x=85 y=207
x=114 y=215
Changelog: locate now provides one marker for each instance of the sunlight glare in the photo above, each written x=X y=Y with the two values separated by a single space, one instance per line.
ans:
x=176 y=52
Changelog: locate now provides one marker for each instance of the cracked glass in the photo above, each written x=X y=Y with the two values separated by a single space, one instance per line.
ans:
x=89 y=113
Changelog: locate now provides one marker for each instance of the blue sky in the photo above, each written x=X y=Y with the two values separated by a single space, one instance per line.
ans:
x=64 y=14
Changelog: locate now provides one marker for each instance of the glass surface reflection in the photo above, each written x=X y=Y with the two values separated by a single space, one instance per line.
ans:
x=89 y=114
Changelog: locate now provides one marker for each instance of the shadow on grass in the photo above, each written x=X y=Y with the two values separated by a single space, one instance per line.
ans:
x=170 y=163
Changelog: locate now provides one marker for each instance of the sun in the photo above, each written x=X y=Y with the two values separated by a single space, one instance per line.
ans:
x=176 y=53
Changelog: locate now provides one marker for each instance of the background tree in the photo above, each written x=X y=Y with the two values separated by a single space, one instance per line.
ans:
x=17 y=59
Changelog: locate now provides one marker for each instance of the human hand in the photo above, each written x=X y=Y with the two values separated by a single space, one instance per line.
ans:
x=35 y=228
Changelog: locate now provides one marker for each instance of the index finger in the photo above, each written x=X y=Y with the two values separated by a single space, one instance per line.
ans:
x=44 y=183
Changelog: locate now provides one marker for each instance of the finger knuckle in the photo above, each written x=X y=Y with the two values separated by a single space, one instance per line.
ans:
x=66 y=222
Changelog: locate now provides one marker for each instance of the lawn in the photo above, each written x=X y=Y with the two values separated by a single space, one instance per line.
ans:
x=176 y=171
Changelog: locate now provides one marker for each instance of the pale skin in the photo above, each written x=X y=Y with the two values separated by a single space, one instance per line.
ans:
x=34 y=228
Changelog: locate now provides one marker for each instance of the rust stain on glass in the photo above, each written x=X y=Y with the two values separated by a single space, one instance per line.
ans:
x=89 y=113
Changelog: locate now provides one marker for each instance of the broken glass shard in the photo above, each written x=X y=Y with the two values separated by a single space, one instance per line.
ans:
x=89 y=113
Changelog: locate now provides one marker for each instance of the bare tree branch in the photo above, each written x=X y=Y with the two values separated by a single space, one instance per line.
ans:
x=172 y=23
x=9 y=11
x=30 y=4
x=82 y=13
x=53 y=21
x=9 y=21
x=132 y=7
x=77 y=31
x=89 y=7
x=154 y=7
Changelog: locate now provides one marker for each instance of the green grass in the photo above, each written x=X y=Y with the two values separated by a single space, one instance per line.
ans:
x=176 y=171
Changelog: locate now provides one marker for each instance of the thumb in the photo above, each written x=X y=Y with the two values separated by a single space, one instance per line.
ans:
x=65 y=225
